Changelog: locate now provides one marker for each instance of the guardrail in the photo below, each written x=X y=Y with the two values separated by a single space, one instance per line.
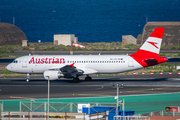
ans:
x=131 y=118
x=52 y=116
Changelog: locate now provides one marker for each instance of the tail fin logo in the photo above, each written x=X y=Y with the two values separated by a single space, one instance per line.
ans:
x=153 y=43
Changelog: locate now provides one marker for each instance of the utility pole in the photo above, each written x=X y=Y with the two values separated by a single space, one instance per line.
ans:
x=117 y=97
x=48 y=97
x=117 y=85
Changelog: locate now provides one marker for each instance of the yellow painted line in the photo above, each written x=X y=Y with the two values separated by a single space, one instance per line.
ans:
x=145 y=90
x=20 y=97
x=100 y=88
x=86 y=94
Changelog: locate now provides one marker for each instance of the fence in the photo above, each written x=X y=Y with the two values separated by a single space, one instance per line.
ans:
x=146 y=116
x=55 y=106
x=131 y=118
x=0 y=109
x=160 y=113
x=52 y=116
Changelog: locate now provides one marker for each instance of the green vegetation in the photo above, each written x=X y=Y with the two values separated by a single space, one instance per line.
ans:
x=89 y=46
x=6 y=76
x=131 y=47
x=5 y=72
x=9 y=48
x=4 y=55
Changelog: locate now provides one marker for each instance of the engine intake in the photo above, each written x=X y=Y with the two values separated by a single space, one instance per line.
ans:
x=52 y=75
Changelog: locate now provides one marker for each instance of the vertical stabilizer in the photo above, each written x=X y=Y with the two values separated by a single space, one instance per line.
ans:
x=153 y=44
x=148 y=54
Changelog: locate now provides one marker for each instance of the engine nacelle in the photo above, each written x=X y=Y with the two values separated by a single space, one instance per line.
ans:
x=52 y=74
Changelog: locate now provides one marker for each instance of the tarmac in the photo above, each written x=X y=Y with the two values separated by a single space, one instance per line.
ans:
x=18 y=88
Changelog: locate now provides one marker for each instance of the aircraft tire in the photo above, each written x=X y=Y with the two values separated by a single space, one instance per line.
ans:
x=75 y=80
x=88 y=79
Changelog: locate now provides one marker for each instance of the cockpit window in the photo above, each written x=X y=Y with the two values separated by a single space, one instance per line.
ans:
x=15 y=61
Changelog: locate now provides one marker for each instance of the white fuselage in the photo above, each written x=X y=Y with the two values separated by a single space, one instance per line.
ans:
x=89 y=63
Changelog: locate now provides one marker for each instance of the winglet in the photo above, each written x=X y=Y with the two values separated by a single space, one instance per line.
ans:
x=72 y=65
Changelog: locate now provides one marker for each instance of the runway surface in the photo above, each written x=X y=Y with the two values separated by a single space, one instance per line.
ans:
x=18 y=88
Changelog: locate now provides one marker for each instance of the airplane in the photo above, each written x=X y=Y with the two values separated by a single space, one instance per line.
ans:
x=54 y=67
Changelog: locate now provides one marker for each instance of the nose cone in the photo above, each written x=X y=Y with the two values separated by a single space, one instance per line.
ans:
x=8 y=67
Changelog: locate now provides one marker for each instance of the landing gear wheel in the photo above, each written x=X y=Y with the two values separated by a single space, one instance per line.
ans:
x=28 y=77
x=75 y=80
x=88 y=79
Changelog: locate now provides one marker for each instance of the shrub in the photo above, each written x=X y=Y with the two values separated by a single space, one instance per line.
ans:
x=4 y=55
x=5 y=72
x=3 y=50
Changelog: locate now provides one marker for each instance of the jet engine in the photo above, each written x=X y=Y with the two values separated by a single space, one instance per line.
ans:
x=52 y=74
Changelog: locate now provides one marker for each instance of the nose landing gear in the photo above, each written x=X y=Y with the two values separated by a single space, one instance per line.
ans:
x=28 y=77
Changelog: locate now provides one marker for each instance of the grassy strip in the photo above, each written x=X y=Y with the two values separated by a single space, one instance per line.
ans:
x=89 y=46
x=5 y=72
x=161 y=54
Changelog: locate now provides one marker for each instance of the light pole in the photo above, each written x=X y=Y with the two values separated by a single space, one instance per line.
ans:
x=48 y=97
x=117 y=105
x=117 y=97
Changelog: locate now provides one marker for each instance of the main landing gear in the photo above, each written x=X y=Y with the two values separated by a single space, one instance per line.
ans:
x=76 y=80
x=88 y=78
x=28 y=77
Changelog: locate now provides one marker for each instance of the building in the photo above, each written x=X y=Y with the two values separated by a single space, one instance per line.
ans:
x=65 y=39
x=128 y=39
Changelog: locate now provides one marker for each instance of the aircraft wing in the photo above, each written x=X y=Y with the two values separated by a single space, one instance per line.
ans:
x=72 y=71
